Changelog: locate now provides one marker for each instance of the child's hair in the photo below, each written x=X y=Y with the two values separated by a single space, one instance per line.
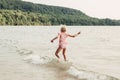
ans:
x=63 y=29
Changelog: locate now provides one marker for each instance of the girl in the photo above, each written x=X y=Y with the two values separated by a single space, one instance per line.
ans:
x=62 y=41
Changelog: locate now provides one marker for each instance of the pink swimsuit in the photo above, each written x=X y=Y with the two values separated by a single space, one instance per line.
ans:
x=62 y=40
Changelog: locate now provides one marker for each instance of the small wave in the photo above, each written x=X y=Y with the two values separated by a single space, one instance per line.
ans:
x=8 y=43
x=88 y=75
x=24 y=51
x=68 y=67
x=48 y=61
x=36 y=59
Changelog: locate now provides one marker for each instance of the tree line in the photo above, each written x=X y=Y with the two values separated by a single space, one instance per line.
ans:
x=17 y=12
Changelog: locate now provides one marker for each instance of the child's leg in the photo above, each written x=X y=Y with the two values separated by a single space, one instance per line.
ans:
x=57 y=51
x=64 y=50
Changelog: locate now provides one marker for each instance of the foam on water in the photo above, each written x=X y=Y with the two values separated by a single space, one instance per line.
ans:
x=88 y=75
x=36 y=59
x=48 y=61
x=69 y=67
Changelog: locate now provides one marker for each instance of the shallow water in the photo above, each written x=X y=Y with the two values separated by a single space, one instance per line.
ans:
x=27 y=54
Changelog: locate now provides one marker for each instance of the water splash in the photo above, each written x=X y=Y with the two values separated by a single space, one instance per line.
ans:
x=68 y=67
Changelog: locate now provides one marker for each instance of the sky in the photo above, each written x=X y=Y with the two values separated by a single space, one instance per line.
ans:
x=93 y=8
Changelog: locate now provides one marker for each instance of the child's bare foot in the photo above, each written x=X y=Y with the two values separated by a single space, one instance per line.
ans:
x=66 y=60
x=58 y=60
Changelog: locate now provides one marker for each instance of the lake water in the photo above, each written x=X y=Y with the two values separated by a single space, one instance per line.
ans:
x=26 y=53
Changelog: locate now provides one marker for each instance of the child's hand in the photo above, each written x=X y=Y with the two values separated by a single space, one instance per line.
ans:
x=78 y=32
x=52 y=41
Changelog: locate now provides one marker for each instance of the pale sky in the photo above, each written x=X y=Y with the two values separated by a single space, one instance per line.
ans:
x=93 y=8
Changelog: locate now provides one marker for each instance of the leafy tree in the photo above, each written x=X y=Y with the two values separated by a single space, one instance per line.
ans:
x=18 y=12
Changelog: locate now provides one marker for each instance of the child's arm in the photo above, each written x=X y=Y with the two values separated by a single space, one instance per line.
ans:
x=54 y=39
x=74 y=35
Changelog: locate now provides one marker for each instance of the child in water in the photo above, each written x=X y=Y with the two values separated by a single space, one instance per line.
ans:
x=62 y=41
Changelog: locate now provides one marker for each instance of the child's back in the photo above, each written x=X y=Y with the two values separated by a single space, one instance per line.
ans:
x=62 y=41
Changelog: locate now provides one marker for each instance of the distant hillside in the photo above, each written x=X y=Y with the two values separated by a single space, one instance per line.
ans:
x=17 y=12
x=39 y=8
